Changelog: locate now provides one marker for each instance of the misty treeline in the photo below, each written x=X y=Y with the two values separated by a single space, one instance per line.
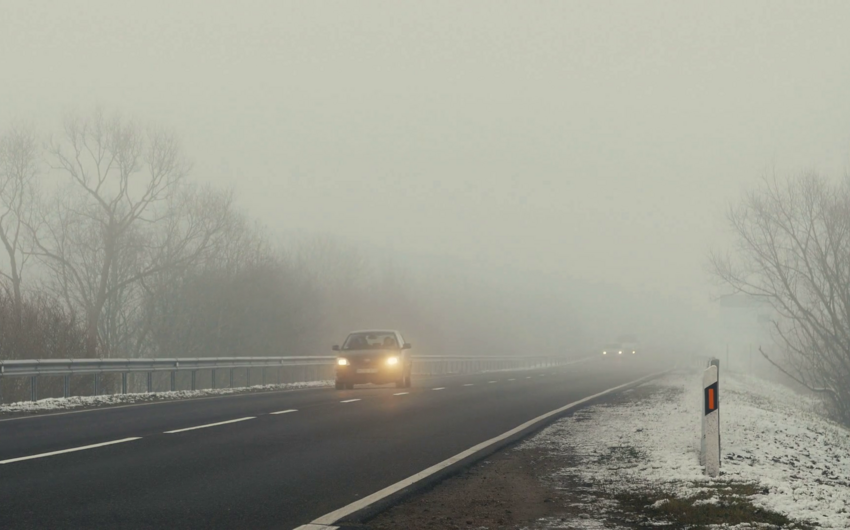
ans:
x=792 y=249
x=113 y=252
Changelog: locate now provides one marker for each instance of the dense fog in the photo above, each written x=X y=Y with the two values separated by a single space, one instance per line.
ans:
x=489 y=177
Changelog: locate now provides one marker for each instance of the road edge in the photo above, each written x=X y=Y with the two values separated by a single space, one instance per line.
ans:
x=371 y=505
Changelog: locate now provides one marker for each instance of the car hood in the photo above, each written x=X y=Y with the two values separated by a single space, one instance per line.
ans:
x=368 y=353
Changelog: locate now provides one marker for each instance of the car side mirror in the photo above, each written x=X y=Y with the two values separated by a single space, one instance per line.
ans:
x=335 y=348
x=406 y=346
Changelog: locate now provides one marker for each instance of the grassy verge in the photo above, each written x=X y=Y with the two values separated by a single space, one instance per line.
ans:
x=719 y=504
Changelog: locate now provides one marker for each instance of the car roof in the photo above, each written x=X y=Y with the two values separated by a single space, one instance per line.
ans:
x=375 y=331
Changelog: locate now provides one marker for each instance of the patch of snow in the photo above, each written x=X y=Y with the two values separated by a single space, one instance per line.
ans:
x=771 y=436
x=57 y=404
x=660 y=503
x=539 y=366
x=553 y=523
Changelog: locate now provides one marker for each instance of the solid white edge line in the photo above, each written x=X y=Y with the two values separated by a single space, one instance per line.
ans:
x=312 y=526
x=401 y=393
x=284 y=411
x=83 y=448
x=336 y=515
x=349 y=400
x=209 y=425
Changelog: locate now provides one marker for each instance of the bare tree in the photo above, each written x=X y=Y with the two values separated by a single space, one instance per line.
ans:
x=792 y=249
x=125 y=214
x=19 y=153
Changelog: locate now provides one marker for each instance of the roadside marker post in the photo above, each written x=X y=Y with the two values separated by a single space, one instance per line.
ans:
x=711 y=420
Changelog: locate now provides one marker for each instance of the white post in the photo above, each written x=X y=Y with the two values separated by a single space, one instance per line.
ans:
x=711 y=422
x=705 y=365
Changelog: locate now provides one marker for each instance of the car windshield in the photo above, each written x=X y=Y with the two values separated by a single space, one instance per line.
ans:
x=371 y=340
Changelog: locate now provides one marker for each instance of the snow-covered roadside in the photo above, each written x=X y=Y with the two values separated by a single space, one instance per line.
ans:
x=792 y=460
x=540 y=366
x=55 y=404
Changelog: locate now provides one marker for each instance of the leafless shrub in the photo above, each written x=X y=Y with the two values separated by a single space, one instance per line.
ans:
x=792 y=249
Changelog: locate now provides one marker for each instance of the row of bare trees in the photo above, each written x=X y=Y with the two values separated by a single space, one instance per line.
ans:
x=792 y=249
x=111 y=251
x=97 y=217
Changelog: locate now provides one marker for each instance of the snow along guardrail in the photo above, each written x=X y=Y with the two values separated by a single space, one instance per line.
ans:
x=299 y=368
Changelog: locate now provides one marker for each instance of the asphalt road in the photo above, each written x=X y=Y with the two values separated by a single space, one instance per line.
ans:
x=272 y=470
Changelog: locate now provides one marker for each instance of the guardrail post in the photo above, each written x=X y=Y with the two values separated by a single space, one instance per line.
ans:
x=212 y=378
x=96 y=384
x=1 y=389
x=34 y=388
x=278 y=375
x=193 y=378
x=173 y=380
x=150 y=382
x=124 y=383
x=263 y=376
x=66 y=386
x=247 y=376
x=231 y=378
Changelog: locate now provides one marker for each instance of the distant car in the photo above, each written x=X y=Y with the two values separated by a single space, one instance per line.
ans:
x=629 y=343
x=615 y=349
x=373 y=356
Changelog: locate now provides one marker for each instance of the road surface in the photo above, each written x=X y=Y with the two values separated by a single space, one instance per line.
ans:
x=268 y=460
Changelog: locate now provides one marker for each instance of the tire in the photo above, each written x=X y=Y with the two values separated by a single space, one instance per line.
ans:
x=339 y=386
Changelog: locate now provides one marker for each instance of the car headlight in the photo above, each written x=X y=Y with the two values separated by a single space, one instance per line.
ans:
x=342 y=362
x=392 y=360
x=605 y=353
x=633 y=351
x=620 y=353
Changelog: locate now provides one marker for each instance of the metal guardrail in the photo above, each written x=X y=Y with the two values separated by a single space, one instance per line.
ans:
x=422 y=365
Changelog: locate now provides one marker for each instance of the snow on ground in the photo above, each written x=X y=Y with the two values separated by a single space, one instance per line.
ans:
x=772 y=438
x=540 y=366
x=56 y=404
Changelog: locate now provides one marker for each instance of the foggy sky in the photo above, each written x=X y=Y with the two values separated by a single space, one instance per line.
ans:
x=596 y=141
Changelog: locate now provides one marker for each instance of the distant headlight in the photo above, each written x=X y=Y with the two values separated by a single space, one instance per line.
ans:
x=605 y=353
x=620 y=353
x=392 y=360
x=633 y=351
x=342 y=362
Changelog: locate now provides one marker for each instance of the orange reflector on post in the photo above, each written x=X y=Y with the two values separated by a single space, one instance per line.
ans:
x=711 y=399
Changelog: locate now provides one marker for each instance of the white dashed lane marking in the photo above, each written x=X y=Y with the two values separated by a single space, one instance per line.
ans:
x=83 y=448
x=401 y=394
x=492 y=381
x=439 y=388
x=349 y=400
x=512 y=379
x=209 y=425
x=284 y=411
x=469 y=384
